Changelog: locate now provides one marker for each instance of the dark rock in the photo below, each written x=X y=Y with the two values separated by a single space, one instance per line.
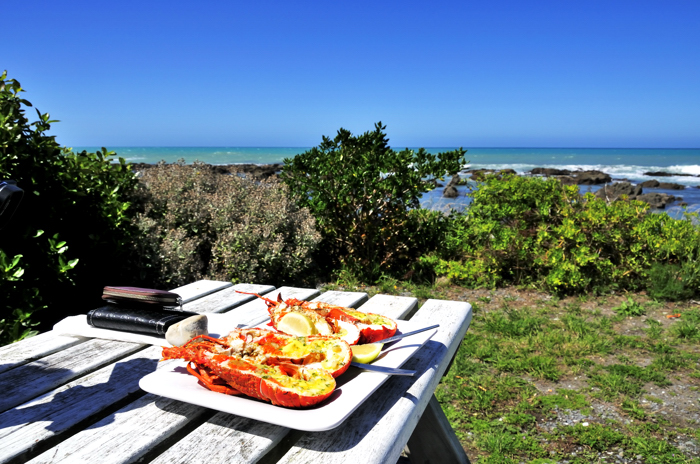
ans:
x=615 y=191
x=255 y=171
x=450 y=192
x=662 y=185
x=549 y=172
x=221 y=169
x=682 y=203
x=667 y=174
x=591 y=177
x=480 y=174
x=650 y=183
x=454 y=181
x=657 y=200
x=567 y=180
x=670 y=186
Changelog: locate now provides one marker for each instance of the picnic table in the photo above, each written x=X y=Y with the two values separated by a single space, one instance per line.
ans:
x=77 y=399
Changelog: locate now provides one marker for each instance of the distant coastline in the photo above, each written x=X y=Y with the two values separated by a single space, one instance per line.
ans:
x=622 y=164
x=681 y=181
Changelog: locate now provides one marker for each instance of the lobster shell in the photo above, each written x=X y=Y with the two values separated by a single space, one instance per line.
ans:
x=289 y=385
x=330 y=318
x=281 y=369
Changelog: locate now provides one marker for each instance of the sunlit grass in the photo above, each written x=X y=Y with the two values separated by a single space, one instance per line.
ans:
x=492 y=401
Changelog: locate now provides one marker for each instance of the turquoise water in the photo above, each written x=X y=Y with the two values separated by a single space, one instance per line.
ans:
x=629 y=163
x=210 y=155
x=621 y=163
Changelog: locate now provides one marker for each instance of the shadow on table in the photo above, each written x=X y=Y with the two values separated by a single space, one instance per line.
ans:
x=105 y=390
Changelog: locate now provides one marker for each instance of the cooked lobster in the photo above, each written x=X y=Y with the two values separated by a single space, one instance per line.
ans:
x=353 y=326
x=270 y=366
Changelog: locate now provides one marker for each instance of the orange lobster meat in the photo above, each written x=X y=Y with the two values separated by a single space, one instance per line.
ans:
x=270 y=366
x=353 y=326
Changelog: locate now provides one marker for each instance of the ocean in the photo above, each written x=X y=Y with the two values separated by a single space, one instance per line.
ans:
x=621 y=163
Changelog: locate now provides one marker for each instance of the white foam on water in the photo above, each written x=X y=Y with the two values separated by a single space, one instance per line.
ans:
x=693 y=169
x=633 y=173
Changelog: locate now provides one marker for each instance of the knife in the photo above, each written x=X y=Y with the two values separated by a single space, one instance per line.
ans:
x=383 y=370
x=400 y=336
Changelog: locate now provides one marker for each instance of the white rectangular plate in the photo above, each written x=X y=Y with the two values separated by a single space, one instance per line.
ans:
x=352 y=389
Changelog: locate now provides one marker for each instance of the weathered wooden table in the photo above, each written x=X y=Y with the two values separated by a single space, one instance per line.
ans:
x=76 y=399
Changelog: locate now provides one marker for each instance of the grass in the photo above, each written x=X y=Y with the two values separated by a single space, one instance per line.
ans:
x=539 y=379
x=494 y=391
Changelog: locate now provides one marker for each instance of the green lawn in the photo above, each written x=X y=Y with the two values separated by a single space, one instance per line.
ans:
x=579 y=380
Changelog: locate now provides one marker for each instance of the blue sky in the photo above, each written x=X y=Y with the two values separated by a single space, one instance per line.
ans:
x=282 y=73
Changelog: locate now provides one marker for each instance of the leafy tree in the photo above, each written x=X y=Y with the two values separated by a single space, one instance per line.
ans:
x=70 y=227
x=361 y=192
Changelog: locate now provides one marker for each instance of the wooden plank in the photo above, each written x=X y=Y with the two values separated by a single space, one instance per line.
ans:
x=395 y=307
x=38 y=377
x=57 y=413
x=345 y=299
x=33 y=348
x=382 y=426
x=127 y=435
x=255 y=312
x=226 y=299
x=195 y=290
x=135 y=449
x=225 y=438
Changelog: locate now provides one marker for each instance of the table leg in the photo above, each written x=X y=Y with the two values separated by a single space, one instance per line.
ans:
x=433 y=441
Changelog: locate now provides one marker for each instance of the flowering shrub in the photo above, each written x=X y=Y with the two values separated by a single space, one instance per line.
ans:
x=195 y=223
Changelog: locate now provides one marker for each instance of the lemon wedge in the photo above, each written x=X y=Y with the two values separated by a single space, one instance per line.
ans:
x=365 y=354
x=296 y=324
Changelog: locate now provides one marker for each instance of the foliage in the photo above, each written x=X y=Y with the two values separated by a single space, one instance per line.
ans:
x=532 y=231
x=630 y=308
x=669 y=282
x=17 y=324
x=70 y=225
x=195 y=223
x=361 y=193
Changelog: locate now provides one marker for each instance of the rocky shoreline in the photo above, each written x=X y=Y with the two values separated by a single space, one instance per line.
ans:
x=611 y=189
x=254 y=171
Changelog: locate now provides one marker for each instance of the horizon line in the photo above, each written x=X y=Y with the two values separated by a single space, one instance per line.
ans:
x=450 y=147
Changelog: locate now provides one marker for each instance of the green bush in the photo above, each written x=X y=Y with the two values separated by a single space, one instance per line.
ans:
x=195 y=223
x=16 y=324
x=532 y=231
x=668 y=282
x=361 y=193
x=70 y=226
